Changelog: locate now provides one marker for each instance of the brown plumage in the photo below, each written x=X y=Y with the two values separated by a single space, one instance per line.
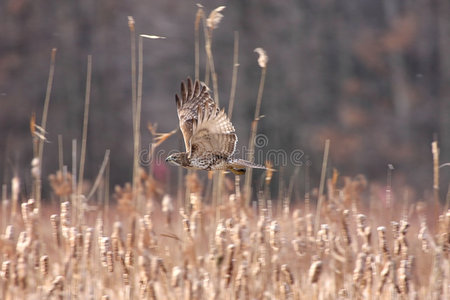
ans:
x=208 y=133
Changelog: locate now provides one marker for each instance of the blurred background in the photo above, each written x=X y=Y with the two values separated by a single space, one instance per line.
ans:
x=372 y=76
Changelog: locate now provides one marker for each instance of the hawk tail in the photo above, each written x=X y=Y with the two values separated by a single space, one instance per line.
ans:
x=238 y=166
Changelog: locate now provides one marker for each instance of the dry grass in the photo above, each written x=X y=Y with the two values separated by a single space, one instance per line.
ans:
x=148 y=247
x=167 y=253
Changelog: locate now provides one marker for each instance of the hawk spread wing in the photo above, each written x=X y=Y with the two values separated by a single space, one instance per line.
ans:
x=213 y=136
x=193 y=97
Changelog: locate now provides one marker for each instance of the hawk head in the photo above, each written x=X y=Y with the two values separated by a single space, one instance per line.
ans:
x=177 y=159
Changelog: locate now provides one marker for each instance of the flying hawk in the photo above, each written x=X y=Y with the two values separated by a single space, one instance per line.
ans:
x=209 y=136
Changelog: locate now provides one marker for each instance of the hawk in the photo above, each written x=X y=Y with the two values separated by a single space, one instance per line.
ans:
x=209 y=136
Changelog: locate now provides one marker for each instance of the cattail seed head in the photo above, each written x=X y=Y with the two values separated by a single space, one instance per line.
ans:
x=314 y=271
x=177 y=275
x=88 y=238
x=110 y=261
x=274 y=235
x=5 y=272
x=43 y=265
x=105 y=246
x=54 y=220
x=9 y=233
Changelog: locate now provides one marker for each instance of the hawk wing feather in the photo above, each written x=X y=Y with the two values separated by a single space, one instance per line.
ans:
x=193 y=97
x=213 y=135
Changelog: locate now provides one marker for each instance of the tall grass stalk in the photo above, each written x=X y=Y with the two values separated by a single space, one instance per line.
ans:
x=435 y=152
x=262 y=61
x=198 y=18
x=100 y=175
x=132 y=29
x=84 y=136
x=137 y=123
x=235 y=74
x=60 y=153
x=209 y=25
x=74 y=177
x=40 y=153
x=322 y=184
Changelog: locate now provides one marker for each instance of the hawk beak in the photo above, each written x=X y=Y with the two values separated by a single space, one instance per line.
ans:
x=168 y=159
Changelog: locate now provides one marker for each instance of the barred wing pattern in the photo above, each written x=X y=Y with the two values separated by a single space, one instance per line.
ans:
x=193 y=97
x=213 y=138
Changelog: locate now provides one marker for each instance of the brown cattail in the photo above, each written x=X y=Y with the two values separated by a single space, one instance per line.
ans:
x=299 y=246
x=129 y=258
x=117 y=242
x=274 y=239
x=220 y=238
x=366 y=247
x=15 y=190
x=54 y=220
x=345 y=227
x=382 y=242
x=145 y=236
x=241 y=281
x=110 y=261
x=361 y=224
x=395 y=234
x=43 y=265
x=5 y=272
x=9 y=234
x=322 y=239
x=23 y=243
x=22 y=271
x=369 y=271
x=105 y=246
x=212 y=22
x=403 y=277
x=314 y=271
x=35 y=253
x=99 y=230
x=285 y=291
x=358 y=272
x=25 y=213
x=403 y=230
x=167 y=207
x=65 y=219
x=177 y=275
x=310 y=227
x=88 y=239
x=73 y=242
x=229 y=265
x=384 y=275
x=57 y=286
x=287 y=274
x=144 y=274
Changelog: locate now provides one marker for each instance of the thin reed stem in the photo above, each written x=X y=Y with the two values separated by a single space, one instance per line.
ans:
x=131 y=26
x=211 y=64
x=137 y=122
x=235 y=73
x=251 y=142
x=87 y=100
x=60 y=152
x=74 y=175
x=99 y=175
x=48 y=92
x=322 y=184
x=198 y=18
